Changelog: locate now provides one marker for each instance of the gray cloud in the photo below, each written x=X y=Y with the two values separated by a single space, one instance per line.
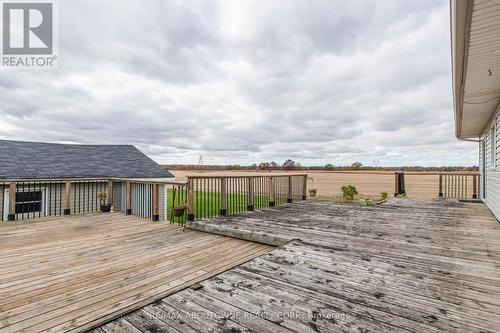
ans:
x=241 y=82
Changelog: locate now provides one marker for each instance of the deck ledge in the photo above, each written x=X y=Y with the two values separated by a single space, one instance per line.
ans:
x=244 y=234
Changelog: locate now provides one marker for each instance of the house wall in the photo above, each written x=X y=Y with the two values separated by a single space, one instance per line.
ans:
x=162 y=202
x=490 y=193
x=54 y=197
x=2 y=189
x=142 y=196
x=83 y=197
x=117 y=197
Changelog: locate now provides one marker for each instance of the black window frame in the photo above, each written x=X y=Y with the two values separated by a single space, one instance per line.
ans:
x=29 y=202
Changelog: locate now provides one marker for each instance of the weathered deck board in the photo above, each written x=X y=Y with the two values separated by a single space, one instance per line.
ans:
x=407 y=265
x=72 y=273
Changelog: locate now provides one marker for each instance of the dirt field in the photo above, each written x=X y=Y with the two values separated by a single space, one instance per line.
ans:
x=368 y=183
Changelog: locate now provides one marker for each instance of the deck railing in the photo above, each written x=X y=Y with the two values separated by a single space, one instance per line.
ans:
x=22 y=200
x=177 y=195
x=210 y=196
x=203 y=196
x=455 y=185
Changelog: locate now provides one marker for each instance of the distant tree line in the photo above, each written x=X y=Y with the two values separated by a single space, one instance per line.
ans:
x=290 y=165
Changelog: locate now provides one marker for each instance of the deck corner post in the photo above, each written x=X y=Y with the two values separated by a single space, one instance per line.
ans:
x=190 y=204
x=304 y=188
x=440 y=185
x=250 y=194
x=156 y=203
x=67 y=198
x=399 y=184
x=12 y=201
x=223 y=197
x=396 y=183
x=129 y=198
x=289 y=198
x=474 y=186
x=271 y=192
x=402 y=183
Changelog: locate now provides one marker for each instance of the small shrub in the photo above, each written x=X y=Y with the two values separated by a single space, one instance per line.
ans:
x=348 y=192
x=384 y=196
x=102 y=197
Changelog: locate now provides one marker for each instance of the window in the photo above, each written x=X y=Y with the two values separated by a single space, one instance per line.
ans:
x=28 y=202
x=493 y=144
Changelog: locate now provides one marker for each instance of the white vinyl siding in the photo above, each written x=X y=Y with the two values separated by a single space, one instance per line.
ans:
x=2 y=191
x=118 y=198
x=491 y=139
x=482 y=146
x=493 y=147
x=497 y=140
x=83 y=198
x=141 y=197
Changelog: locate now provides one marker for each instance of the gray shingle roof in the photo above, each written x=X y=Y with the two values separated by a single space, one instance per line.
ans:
x=37 y=160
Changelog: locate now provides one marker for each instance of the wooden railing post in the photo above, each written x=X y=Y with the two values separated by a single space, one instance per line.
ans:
x=129 y=199
x=12 y=201
x=271 y=193
x=289 y=199
x=440 y=185
x=396 y=183
x=156 y=203
x=223 y=197
x=67 y=198
x=304 y=188
x=110 y=192
x=250 y=194
x=190 y=200
x=474 y=186
x=402 y=183
x=399 y=186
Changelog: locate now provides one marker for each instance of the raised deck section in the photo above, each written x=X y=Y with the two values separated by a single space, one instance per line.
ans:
x=72 y=273
x=404 y=266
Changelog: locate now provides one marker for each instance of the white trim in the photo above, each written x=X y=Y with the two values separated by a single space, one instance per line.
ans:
x=482 y=179
x=6 y=203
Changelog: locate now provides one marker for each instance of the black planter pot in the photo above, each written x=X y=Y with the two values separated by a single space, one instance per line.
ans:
x=178 y=212
x=105 y=208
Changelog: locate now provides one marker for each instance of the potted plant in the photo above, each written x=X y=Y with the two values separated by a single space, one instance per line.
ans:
x=313 y=190
x=105 y=206
x=348 y=192
x=179 y=210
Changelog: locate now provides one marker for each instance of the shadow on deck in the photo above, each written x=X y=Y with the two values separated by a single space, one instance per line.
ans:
x=407 y=265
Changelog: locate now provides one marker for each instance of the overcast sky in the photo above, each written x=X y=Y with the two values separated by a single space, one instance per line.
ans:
x=247 y=81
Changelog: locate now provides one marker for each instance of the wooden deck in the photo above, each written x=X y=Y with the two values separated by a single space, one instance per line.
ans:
x=404 y=266
x=74 y=272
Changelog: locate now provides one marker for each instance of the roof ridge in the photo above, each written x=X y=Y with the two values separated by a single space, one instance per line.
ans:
x=69 y=144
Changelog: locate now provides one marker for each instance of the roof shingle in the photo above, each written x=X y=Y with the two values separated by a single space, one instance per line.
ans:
x=37 y=160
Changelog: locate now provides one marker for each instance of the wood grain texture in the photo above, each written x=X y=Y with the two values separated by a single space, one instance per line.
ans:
x=75 y=272
x=405 y=266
